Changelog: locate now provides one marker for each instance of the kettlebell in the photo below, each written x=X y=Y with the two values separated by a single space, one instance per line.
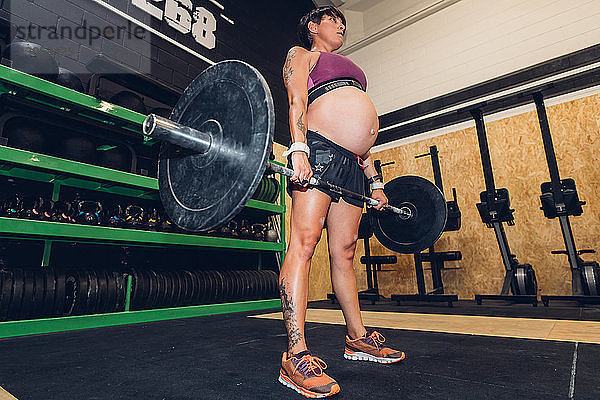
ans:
x=12 y=207
x=36 y=208
x=154 y=219
x=62 y=211
x=115 y=217
x=134 y=217
x=89 y=212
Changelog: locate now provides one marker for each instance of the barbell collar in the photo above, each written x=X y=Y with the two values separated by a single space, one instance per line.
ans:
x=170 y=131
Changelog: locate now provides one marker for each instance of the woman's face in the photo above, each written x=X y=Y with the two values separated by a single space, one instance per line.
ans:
x=331 y=30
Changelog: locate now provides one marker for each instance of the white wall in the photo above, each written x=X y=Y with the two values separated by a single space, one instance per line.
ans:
x=470 y=42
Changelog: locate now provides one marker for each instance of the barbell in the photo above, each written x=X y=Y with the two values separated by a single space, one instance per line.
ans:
x=215 y=149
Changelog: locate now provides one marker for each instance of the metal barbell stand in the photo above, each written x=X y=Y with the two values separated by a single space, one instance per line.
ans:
x=436 y=259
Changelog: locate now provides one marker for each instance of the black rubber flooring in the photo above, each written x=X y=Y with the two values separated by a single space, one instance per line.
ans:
x=235 y=357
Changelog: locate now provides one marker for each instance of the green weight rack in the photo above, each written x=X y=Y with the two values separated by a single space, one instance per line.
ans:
x=27 y=89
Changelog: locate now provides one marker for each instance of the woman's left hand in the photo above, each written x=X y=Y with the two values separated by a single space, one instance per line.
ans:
x=378 y=195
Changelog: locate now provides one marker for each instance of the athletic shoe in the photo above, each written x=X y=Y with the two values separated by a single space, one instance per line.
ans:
x=370 y=348
x=304 y=373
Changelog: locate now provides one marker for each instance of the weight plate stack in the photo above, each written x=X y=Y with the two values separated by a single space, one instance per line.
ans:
x=27 y=302
x=48 y=309
x=18 y=284
x=39 y=293
x=6 y=285
x=60 y=293
x=70 y=296
x=101 y=304
x=92 y=297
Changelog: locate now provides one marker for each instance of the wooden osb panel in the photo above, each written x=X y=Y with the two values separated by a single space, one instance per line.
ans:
x=519 y=165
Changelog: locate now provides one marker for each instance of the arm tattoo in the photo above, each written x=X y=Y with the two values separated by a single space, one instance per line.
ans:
x=289 y=316
x=287 y=68
x=300 y=124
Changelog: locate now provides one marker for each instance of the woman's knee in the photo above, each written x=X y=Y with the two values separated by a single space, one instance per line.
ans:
x=305 y=242
x=343 y=251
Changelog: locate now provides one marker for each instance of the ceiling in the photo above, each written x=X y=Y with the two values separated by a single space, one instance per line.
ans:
x=371 y=20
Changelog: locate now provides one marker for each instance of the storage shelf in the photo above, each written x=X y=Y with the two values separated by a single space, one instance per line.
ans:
x=14 y=227
x=39 y=167
x=22 y=85
x=61 y=324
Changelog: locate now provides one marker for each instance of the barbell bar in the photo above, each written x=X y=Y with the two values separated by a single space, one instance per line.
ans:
x=215 y=149
x=161 y=128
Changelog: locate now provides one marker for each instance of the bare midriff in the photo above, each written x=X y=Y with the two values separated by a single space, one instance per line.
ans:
x=345 y=116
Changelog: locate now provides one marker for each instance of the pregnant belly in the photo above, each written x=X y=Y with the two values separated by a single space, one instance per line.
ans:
x=347 y=117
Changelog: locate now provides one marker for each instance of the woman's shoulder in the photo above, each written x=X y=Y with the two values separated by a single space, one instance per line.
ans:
x=298 y=51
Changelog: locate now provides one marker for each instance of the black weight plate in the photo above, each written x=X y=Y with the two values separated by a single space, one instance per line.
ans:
x=135 y=289
x=275 y=284
x=153 y=290
x=249 y=284
x=71 y=284
x=220 y=290
x=191 y=286
x=7 y=278
x=221 y=293
x=268 y=279
x=101 y=305
x=170 y=288
x=49 y=292
x=82 y=293
x=214 y=280
x=92 y=303
x=262 y=284
x=532 y=285
x=230 y=284
x=237 y=278
x=198 y=286
x=143 y=297
x=39 y=292
x=122 y=282
x=233 y=102
x=60 y=295
x=184 y=288
x=227 y=289
x=28 y=288
x=177 y=288
x=245 y=284
x=161 y=290
x=226 y=295
x=204 y=286
x=257 y=282
x=17 y=294
x=111 y=303
x=590 y=279
x=429 y=213
x=210 y=283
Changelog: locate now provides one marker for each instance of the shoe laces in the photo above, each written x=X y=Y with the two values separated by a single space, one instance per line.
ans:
x=309 y=365
x=377 y=339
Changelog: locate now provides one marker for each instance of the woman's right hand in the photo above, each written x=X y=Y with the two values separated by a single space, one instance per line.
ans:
x=302 y=170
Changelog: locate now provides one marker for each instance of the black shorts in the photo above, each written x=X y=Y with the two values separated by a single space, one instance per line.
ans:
x=333 y=163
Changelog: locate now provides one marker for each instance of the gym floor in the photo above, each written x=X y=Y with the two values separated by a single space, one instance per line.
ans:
x=464 y=352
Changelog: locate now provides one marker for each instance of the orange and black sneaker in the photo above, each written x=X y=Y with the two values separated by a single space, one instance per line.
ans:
x=304 y=373
x=370 y=348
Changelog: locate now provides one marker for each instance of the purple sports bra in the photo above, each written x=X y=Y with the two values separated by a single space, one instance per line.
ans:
x=331 y=66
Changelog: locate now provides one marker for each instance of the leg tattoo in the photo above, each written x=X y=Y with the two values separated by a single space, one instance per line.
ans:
x=289 y=316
